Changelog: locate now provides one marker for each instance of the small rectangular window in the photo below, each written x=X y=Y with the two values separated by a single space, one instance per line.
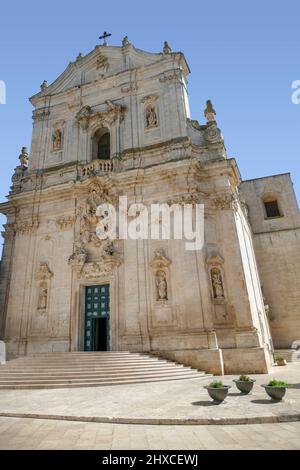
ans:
x=272 y=209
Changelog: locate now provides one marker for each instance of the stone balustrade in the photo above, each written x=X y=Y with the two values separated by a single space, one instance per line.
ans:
x=95 y=167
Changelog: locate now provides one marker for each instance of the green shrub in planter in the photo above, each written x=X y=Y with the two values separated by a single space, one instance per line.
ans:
x=244 y=384
x=276 y=389
x=217 y=390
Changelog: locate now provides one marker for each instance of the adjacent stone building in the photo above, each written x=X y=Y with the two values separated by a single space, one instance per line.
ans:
x=117 y=123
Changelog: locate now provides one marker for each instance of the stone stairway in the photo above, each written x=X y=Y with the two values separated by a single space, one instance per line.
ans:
x=90 y=369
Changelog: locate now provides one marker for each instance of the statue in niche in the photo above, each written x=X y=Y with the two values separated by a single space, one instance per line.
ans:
x=161 y=286
x=217 y=284
x=57 y=140
x=43 y=296
x=151 y=118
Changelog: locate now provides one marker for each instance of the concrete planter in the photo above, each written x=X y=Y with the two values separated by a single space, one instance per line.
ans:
x=218 y=394
x=276 y=393
x=244 y=386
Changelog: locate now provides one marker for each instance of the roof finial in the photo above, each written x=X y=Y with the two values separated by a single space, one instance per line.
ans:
x=125 y=41
x=209 y=112
x=166 y=48
x=44 y=85
x=80 y=56
x=104 y=36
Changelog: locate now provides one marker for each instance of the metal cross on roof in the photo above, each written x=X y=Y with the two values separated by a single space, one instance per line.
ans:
x=104 y=36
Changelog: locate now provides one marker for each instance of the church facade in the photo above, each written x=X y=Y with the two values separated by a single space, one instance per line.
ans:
x=116 y=123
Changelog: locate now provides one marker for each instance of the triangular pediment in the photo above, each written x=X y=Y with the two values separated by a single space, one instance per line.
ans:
x=106 y=61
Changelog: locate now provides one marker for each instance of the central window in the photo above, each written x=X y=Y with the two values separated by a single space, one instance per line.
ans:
x=101 y=145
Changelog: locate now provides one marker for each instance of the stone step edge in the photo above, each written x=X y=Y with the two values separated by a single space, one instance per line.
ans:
x=284 y=418
x=96 y=384
x=50 y=380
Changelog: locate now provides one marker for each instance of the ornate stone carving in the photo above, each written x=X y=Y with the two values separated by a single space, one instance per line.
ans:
x=57 y=140
x=110 y=259
x=26 y=226
x=23 y=157
x=129 y=88
x=79 y=256
x=217 y=283
x=43 y=271
x=125 y=41
x=44 y=85
x=150 y=111
x=9 y=232
x=161 y=286
x=64 y=222
x=104 y=118
x=160 y=269
x=166 y=48
x=98 y=194
x=209 y=112
x=43 y=296
x=102 y=63
x=170 y=76
x=213 y=134
x=224 y=201
x=40 y=114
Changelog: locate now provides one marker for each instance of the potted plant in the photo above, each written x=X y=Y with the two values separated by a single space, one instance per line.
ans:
x=276 y=389
x=244 y=383
x=217 y=390
x=280 y=361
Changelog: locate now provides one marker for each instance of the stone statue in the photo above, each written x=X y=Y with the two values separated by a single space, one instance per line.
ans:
x=161 y=286
x=151 y=118
x=79 y=57
x=57 y=140
x=125 y=41
x=166 y=48
x=217 y=285
x=23 y=157
x=44 y=85
x=209 y=112
x=43 y=297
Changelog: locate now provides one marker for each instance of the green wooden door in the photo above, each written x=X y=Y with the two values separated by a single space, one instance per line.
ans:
x=96 y=335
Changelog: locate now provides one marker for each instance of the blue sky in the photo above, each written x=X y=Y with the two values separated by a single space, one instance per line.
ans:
x=243 y=56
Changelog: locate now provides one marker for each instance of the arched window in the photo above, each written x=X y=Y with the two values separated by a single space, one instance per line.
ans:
x=101 y=145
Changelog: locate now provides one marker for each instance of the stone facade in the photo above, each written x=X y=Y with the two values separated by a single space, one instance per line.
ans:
x=277 y=248
x=204 y=308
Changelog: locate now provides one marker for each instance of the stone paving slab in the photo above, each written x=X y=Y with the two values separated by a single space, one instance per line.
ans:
x=184 y=402
x=33 y=434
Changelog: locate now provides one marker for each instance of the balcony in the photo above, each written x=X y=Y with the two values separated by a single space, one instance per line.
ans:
x=96 y=167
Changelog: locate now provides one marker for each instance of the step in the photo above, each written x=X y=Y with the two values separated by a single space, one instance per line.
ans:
x=81 y=369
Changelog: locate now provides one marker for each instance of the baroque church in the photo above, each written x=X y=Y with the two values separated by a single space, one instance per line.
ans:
x=116 y=123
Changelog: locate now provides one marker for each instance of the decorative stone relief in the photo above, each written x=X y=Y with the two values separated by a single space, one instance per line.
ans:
x=9 y=231
x=98 y=194
x=43 y=275
x=57 y=140
x=225 y=201
x=26 y=226
x=170 y=76
x=40 y=114
x=110 y=259
x=102 y=118
x=213 y=134
x=166 y=49
x=217 y=283
x=151 y=119
x=65 y=222
x=79 y=256
x=102 y=63
x=43 y=271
